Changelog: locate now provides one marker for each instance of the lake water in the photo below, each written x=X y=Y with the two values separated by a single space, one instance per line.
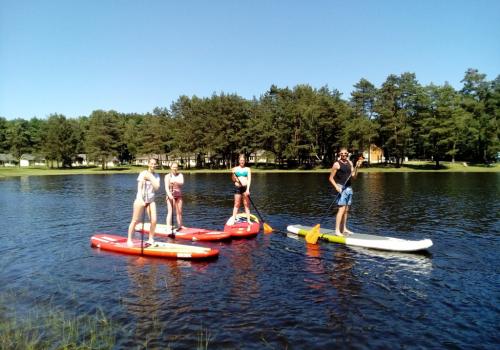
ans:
x=269 y=292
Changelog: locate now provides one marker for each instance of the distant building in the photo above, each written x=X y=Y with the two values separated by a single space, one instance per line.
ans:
x=7 y=159
x=374 y=155
x=261 y=157
x=187 y=160
x=80 y=160
x=31 y=160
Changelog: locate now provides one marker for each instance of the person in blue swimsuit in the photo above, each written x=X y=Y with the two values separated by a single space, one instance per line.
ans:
x=341 y=174
x=241 y=177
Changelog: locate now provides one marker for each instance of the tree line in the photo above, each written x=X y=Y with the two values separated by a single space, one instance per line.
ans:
x=300 y=126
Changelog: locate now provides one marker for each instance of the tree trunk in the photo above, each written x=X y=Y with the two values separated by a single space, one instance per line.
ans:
x=437 y=163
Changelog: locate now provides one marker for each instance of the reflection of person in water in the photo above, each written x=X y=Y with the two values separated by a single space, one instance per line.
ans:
x=244 y=284
x=346 y=285
x=150 y=281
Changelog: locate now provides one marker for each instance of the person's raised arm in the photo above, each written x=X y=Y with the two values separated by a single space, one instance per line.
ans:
x=167 y=187
x=355 y=170
x=155 y=181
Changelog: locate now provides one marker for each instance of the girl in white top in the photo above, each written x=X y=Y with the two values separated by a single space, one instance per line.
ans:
x=147 y=183
x=173 y=186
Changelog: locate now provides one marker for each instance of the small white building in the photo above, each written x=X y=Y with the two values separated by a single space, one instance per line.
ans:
x=31 y=160
x=7 y=159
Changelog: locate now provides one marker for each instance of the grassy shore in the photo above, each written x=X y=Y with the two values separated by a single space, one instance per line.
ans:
x=413 y=166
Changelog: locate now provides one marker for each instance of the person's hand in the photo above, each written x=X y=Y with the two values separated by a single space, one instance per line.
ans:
x=338 y=189
x=360 y=161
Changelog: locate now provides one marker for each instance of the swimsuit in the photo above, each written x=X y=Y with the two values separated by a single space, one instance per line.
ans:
x=149 y=192
x=175 y=188
x=240 y=172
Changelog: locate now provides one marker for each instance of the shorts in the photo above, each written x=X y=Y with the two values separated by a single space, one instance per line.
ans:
x=240 y=190
x=345 y=196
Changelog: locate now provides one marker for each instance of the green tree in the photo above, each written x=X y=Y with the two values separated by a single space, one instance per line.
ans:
x=481 y=101
x=61 y=140
x=360 y=130
x=443 y=123
x=102 y=138
x=18 y=137
x=4 y=147
x=397 y=108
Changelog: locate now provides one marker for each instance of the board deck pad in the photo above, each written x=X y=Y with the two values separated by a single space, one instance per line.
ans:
x=240 y=227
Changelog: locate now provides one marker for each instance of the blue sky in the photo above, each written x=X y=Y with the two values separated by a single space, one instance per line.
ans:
x=75 y=56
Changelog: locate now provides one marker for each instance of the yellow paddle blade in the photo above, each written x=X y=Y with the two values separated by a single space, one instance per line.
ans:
x=267 y=228
x=313 y=235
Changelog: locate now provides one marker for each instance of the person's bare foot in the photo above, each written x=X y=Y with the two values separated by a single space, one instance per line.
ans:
x=339 y=234
x=130 y=243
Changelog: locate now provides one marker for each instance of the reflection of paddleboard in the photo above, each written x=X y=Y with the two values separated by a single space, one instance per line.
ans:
x=241 y=227
x=158 y=249
x=366 y=241
x=188 y=233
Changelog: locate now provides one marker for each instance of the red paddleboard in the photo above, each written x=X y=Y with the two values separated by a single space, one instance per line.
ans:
x=158 y=249
x=187 y=233
x=241 y=227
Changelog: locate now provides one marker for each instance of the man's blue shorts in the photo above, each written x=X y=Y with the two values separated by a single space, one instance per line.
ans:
x=345 y=197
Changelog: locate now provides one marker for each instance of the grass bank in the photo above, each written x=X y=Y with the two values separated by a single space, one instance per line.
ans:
x=413 y=166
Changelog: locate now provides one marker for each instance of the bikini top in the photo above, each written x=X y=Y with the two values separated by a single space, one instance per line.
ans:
x=241 y=172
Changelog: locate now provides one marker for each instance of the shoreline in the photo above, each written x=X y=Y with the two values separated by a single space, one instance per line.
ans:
x=409 y=167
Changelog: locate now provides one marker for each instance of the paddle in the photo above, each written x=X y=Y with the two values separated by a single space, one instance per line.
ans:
x=172 y=204
x=143 y=216
x=267 y=228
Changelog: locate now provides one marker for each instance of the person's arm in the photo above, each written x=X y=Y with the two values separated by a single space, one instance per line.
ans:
x=332 y=178
x=155 y=181
x=234 y=178
x=167 y=187
x=249 y=180
x=354 y=171
x=140 y=189
x=141 y=181
x=180 y=180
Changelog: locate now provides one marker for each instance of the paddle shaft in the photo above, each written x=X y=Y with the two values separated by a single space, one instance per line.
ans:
x=251 y=201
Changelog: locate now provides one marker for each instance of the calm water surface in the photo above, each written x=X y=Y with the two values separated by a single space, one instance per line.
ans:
x=270 y=292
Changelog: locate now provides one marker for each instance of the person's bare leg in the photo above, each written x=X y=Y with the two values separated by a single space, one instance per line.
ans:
x=178 y=210
x=136 y=214
x=152 y=219
x=339 y=221
x=345 y=230
x=246 y=203
x=237 y=200
x=169 y=216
